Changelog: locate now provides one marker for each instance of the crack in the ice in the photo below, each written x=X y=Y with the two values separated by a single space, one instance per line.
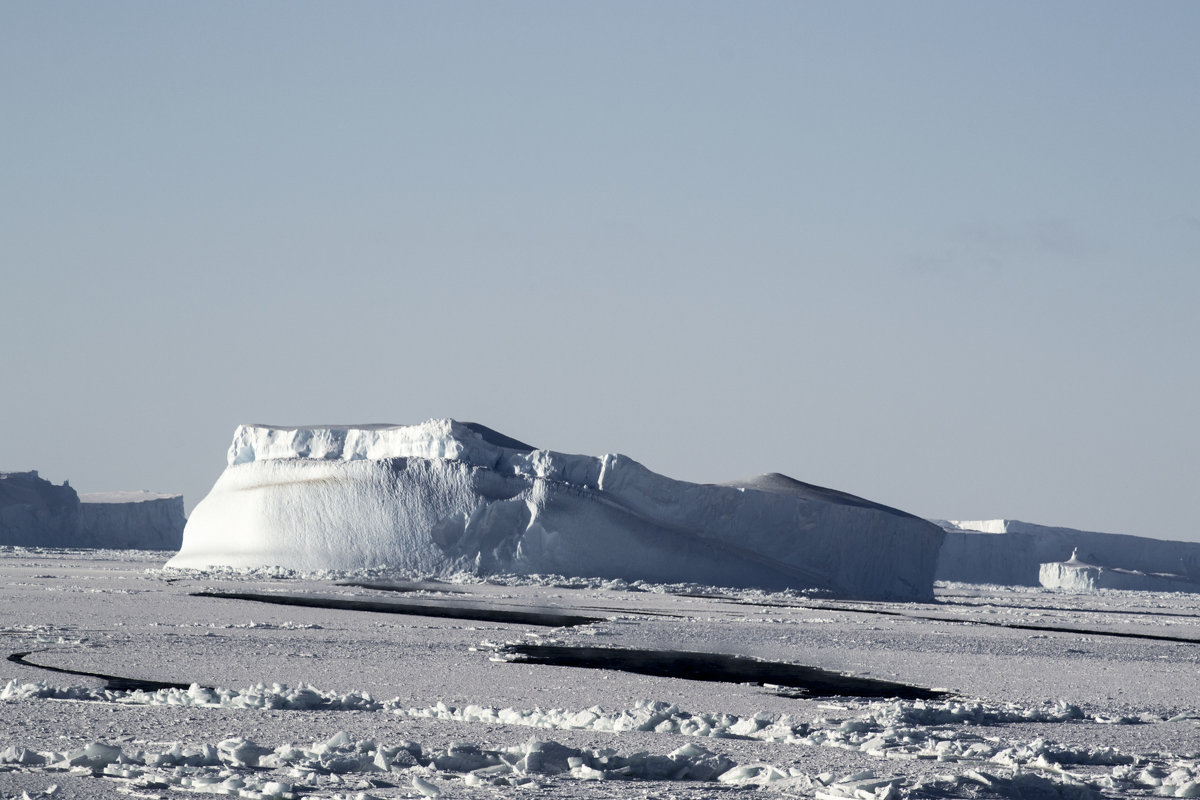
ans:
x=544 y=618
x=1020 y=626
x=112 y=682
x=714 y=667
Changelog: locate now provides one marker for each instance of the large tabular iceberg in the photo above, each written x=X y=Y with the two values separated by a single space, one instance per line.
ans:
x=444 y=497
x=36 y=513
x=132 y=519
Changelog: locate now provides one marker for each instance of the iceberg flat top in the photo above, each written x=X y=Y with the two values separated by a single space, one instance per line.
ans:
x=1009 y=526
x=433 y=439
x=979 y=525
x=135 y=496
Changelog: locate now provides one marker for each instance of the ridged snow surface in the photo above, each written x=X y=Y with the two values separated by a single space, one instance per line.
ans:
x=446 y=497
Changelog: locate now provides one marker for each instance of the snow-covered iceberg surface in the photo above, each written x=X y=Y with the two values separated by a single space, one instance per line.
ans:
x=445 y=497
x=36 y=513
x=1010 y=552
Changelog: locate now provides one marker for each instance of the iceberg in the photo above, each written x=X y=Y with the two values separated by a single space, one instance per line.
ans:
x=36 y=513
x=1074 y=575
x=1011 y=552
x=133 y=519
x=446 y=497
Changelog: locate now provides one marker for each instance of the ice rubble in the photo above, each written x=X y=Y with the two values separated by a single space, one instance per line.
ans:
x=36 y=513
x=1010 y=552
x=914 y=730
x=444 y=497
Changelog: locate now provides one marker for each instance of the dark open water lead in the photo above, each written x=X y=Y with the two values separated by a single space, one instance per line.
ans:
x=715 y=667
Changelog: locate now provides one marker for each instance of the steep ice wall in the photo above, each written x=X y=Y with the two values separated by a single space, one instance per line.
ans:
x=35 y=512
x=140 y=520
x=1012 y=552
x=444 y=496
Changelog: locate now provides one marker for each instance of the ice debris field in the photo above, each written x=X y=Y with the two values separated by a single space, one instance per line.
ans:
x=442 y=610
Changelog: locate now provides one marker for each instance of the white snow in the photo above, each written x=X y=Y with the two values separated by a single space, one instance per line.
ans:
x=445 y=497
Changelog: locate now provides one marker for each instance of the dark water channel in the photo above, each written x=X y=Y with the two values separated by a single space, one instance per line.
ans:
x=716 y=667
x=544 y=617
x=112 y=682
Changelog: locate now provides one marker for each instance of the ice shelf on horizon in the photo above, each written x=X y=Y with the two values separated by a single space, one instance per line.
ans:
x=1009 y=552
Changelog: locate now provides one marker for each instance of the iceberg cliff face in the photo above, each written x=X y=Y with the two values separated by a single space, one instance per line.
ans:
x=141 y=520
x=1012 y=552
x=36 y=513
x=445 y=497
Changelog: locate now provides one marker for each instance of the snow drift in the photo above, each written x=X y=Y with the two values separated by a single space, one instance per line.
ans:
x=36 y=513
x=1010 y=552
x=444 y=497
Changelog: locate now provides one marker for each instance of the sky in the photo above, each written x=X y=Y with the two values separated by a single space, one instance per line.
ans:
x=942 y=255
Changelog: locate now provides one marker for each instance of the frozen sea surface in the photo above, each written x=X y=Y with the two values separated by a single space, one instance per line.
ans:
x=382 y=687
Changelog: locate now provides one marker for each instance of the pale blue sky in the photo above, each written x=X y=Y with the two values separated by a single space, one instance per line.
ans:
x=943 y=255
